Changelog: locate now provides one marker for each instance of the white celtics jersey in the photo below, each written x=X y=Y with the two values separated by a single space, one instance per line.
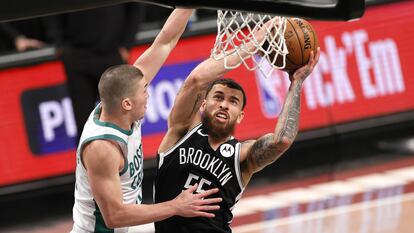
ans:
x=86 y=214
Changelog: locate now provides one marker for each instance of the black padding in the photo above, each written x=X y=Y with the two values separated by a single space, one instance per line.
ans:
x=325 y=10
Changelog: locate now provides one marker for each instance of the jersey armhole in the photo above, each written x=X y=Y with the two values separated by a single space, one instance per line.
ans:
x=237 y=165
x=103 y=137
x=162 y=155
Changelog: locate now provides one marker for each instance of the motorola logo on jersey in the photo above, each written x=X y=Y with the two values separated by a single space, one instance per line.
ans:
x=49 y=120
x=227 y=150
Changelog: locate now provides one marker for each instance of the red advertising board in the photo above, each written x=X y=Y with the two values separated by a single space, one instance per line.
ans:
x=364 y=72
x=18 y=162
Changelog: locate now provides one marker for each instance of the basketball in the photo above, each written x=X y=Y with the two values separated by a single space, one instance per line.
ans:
x=300 y=39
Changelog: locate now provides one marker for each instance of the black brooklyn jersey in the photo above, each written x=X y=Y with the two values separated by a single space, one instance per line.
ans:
x=192 y=161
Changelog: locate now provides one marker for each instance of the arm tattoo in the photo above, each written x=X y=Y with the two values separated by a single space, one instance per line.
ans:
x=264 y=151
x=268 y=148
x=290 y=115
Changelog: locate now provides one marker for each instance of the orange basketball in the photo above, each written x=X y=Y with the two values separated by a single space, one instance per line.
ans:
x=300 y=39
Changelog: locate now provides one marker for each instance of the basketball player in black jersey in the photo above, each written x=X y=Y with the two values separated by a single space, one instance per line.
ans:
x=199 y=148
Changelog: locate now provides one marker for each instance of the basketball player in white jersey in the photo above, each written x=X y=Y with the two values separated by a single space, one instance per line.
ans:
x=199 y=148
x=109 y=157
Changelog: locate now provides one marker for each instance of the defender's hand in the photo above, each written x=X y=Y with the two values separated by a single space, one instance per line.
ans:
x=269 y=27
x=188 y=204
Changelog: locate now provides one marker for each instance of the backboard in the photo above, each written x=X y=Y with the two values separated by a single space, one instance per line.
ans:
x=315 y=9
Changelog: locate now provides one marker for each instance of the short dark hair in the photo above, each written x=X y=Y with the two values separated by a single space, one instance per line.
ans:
x=116 y=83
x=228 y=82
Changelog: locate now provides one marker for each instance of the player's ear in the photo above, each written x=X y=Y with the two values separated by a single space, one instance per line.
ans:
x=126 y=104
x=203 y=105
x=240 y=117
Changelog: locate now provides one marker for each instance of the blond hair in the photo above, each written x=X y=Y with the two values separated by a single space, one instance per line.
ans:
x=117 y=83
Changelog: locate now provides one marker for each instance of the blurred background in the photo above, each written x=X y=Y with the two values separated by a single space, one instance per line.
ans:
x=357 y=109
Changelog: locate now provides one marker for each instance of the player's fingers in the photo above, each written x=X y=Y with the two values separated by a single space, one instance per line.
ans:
x=268 y=23
x=311 y=58
x=207 y=193
x=209 y=201
x=192 y=188
x=318 y=54
x=208 y=207
x=314 y=58
x=204 y=214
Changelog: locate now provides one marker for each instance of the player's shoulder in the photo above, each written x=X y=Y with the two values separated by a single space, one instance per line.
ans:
x=175 y=137
x=247 y=143
x=100 y=146
x=245 y=147
x=103 y=152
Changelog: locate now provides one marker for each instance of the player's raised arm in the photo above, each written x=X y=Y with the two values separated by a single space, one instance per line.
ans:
x=256 y=154
x=154 y=57
x=184 y=113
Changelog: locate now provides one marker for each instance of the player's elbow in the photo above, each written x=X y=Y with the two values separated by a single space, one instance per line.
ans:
x=165 y=38
x=196 y=81
x=109 y=223
x=112 y=222
x=112 y=219
x=284 y=143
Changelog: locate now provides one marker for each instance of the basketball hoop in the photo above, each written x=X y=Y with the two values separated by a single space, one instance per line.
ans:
x=235 y=29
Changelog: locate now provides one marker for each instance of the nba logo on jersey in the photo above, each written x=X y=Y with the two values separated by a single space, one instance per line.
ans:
x=272 y=90
x=227 y=150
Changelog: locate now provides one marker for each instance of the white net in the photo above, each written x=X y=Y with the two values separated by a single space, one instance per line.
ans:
x=237 y=29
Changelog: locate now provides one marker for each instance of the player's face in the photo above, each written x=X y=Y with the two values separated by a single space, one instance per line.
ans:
x=139 y=100
x=222 y=109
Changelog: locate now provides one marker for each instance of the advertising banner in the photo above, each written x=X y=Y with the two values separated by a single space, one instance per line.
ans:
x=364 y=71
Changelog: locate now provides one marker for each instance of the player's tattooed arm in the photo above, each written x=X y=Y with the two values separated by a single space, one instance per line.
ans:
x=289 y=117
x=269 y=148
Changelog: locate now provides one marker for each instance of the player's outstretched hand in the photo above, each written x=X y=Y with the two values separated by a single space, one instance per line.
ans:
x=302 y=73
x=268 y=27
x=190 y=204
